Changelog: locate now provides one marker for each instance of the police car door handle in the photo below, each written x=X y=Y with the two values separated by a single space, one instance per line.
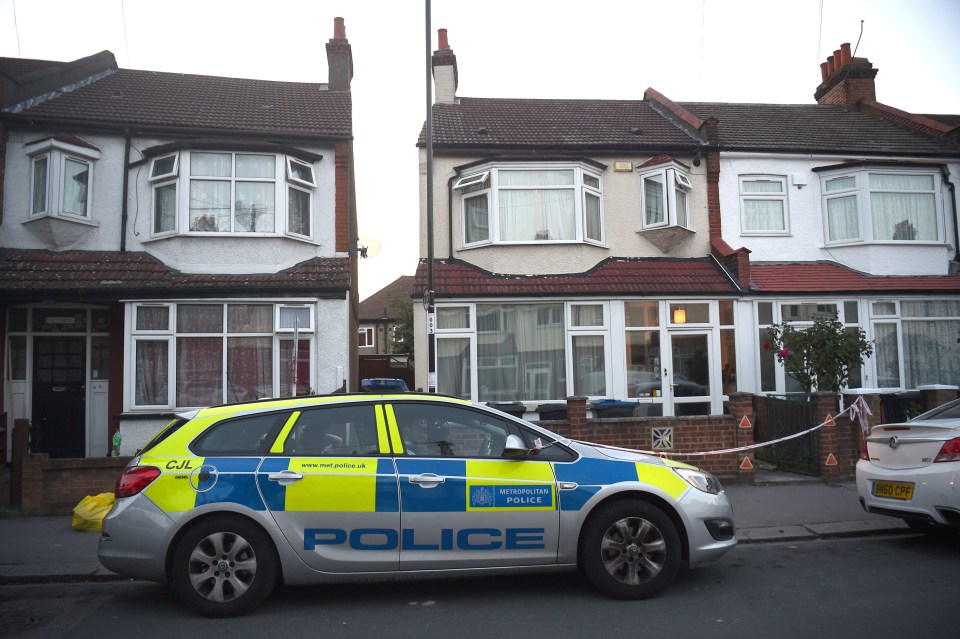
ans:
x=427 y=480
x=285 y=477
x=568 y=485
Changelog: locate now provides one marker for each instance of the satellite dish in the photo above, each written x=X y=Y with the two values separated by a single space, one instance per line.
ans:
x=368 y=246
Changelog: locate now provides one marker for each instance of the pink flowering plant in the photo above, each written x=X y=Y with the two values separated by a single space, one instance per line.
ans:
x=821 y=355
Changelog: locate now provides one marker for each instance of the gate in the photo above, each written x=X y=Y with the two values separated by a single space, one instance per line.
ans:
x=781 y=417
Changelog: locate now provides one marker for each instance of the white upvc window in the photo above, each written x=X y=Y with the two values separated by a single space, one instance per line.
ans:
x=366 y=337
x=880 y=204
x=200 y=192
x=915 y=342
x=190 y=354
x=523 y=204
x=663 y=196
x=763 y=205
x=61 y=178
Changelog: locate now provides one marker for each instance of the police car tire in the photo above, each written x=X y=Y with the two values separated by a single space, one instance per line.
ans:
x=621 y=541
x=241 y=540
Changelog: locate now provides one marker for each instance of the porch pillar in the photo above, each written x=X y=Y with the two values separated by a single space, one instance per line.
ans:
x=577 y=416
x=936 y=395
x=740 y=405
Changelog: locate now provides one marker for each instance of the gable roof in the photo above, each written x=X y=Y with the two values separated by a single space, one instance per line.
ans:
x=379 y=306
x=159 y=100
x=612 y=276
x=109 y=274
x=820 y=277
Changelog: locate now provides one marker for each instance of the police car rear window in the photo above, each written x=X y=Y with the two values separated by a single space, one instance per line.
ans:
x=249 y=435
x=165 y=432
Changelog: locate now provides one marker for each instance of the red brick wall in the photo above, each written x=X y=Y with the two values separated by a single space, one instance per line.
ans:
x=55 y=486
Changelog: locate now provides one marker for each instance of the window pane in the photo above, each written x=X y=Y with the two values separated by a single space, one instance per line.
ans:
x=763 y=215
x=301 y=171
x=762 y=186
x=453 y=317
x=587 y=314
x=806 y=312
x=929 y=308
x=295 y=317
x=199 y=371
x=18 y=357
x=904 y=216
x=295 y=371
x=151 y=373
x=891 y=182
x=165 y=208
x=642 y=313
x=537 y=215
x=887 y=355
x=254 y=207
x=251 y=435
x=209 y=206
x=39 y=185
x=298 y=214
x=884 y=308
x=249 y=368
x=591 y=181
x=643 y=364
x=476 y=218
x=536 y=178
x=850 y=312
x=841 y=183
x=843 y=219
x=199 y=318
x=592 y=214
x=681 y=199
x=163 y=166
x=653 y=200
x=75 y=178
x=589 y=361
x=728 y=360
x=210 y=164
x=692 y=313
x=153 y=318
x=250 y=318
x=768 y=362
x=453 y=367
x=726 y=312
x=59 y=320
x=765 y=313
x=334 y=430
x=256 y=166
x=523 y=357
x=18 y=319
x=930 y=352
x=433 y=430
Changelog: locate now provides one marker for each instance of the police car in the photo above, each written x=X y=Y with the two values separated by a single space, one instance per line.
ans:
x=228 y=502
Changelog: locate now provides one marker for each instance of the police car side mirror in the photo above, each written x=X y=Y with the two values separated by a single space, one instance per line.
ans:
x=513 y=448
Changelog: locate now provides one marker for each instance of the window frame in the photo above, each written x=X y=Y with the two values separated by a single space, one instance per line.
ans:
x=864 y=201
x=764 y=196
x=484 y=182
x=368 y=337
x=674 y=178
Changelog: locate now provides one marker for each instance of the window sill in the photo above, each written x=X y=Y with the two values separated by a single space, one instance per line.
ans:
x=885 y=243
x=223 y=236
x=63 y=217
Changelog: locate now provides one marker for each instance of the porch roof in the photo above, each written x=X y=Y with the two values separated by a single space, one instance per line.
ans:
x=829 y=277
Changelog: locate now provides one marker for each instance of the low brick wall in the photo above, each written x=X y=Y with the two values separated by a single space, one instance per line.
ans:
x=55 y=486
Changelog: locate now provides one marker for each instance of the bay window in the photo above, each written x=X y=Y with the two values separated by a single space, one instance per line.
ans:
x=200 y=354
x=61 y=178
x=520 y=205
x=916 y=342
x=235 y=193
x=882 y=205
x=663 y=196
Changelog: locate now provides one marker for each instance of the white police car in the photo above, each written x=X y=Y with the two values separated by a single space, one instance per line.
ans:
x=227 y=502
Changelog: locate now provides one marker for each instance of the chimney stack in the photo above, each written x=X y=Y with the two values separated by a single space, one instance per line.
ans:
x=845 y=80
x=339 y=58
x=445 y=77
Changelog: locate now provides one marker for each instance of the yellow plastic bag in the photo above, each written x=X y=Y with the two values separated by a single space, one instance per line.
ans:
x=89 y=513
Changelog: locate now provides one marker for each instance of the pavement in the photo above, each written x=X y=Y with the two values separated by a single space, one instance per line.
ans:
x=779 y=507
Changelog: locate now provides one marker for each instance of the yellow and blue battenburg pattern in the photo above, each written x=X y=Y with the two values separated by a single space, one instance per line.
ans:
x=332 y=484
x=591 y=475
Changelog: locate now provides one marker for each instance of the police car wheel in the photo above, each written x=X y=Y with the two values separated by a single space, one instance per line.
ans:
x=224 y=566
x=630 y=550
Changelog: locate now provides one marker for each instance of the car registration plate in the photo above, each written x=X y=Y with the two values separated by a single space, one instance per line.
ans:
x=893 y=490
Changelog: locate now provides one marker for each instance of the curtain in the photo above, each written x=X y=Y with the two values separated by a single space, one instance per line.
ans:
x=199 y=371
x=199 y=318
x=151 y=373
x=763 y=215
x=210 y=164
x=256 y=166
x=76 y=176
x=249 y=368
x=528 y=213
x=453 y=367
x=843 y=218
x=476 y=218
x=589 y=361
x=886 y=355
x=930 y=352
x=904 y=216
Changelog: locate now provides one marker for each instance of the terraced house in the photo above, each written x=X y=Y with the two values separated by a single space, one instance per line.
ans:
x=171 y=241
x=638 y=250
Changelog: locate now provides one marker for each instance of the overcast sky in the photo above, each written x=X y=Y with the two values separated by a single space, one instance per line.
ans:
x=689 y=50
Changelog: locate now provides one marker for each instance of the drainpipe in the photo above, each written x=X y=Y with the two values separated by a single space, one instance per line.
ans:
x=945 y=170
x=126 y=185
x=450 y=214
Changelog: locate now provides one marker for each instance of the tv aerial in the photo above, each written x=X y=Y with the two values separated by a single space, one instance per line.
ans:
x=367 y=246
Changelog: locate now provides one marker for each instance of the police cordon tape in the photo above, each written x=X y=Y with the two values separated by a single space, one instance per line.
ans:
x=857 y=409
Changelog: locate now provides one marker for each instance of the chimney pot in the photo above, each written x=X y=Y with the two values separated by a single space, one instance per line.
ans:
x=845 y=54
x=824 y=74
x=830 y=67
x=339 y=31
x=442 y=39
x=836 y=60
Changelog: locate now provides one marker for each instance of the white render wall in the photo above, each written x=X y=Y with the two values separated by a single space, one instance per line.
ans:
x=190 y=254
x=805 y=241
x=621 y=219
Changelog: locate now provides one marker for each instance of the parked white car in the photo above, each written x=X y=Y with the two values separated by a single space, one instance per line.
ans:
x=911 y=470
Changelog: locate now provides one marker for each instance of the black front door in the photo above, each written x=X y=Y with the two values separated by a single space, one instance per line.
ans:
x=59 y=396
